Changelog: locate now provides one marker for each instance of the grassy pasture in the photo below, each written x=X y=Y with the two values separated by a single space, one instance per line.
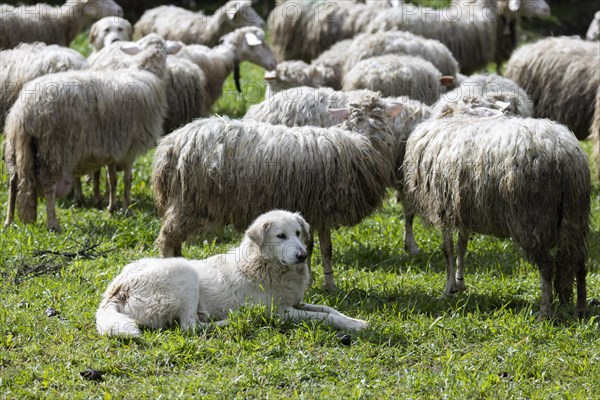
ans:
x=484 y=343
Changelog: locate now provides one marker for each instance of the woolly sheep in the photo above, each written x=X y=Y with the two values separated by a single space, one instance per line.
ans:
x=309 y=106
x=215 y=171
x=593 y=32
x=475 y=31
x=176 y=23
x=109 y=30
x=560 y=74
x=504 y=95
x=523 y=178
x=52 y=25
x=28 y=61
x=395 y=75
x=73 y=122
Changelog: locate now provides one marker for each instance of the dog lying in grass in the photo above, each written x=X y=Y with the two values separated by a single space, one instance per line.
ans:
x=268 y=268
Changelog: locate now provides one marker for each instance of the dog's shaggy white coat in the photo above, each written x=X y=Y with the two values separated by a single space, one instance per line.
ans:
x=268 y=268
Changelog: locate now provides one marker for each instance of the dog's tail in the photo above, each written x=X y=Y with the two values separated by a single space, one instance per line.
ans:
x=112 y=322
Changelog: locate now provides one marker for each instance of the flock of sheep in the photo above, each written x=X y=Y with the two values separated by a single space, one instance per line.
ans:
x=364 y=98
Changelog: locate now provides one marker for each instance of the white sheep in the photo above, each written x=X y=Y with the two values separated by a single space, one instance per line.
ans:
x=52 y=25
x=74 y=122
x=309 y=106
x=560 y=74
x=214 y=172
x=28 y=61
x=394 y=75
x=176 y=23
x=593 y=32
x=523 y=178
x=109 y=30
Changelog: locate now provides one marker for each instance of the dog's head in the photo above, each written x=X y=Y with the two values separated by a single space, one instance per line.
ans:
x=280 y=236
x=109 y=30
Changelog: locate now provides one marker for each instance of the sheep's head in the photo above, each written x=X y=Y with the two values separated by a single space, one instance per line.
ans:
x=151 y=52
x=251 y=46
x=239 y=13
x=593 y=32
x=526 y=8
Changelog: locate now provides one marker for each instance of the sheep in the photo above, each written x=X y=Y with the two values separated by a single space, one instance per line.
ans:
x=109 y=30
x=476 y=31
x=593 y=32
x=309 y=106
x=176 y=23
x=523 y=178
x=560 y=74
x=505 y=95
x=303 y=30
x=28 y=61
x=216 y=171
x=395 y=75
x=73 y=122
x=52 y=25
x=243 y=44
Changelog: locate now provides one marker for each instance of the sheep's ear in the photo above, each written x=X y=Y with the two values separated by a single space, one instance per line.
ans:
x=392 y=109
x=395 y=3
x=514 y=5
x=257 y=232
x=502 y=105
x=270 y=75
x=173 y=47
x=340 y=113
x=597 y=15
x=304 y=225
x=252 y=39
x=93 y=34
x=447 y=80
x=131 y=48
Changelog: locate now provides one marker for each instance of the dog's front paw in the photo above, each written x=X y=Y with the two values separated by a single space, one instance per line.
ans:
x=357 y=324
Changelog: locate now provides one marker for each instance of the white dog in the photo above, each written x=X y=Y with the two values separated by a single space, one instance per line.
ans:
x=268 y=268
x=108 y=30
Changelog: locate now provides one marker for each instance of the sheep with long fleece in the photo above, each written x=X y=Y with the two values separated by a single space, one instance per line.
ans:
x=503 y=94
x=73 y=122
x=52 y=25
x=175 y=23
x=470 y=28
x=523 y=178
x=395 y=75
x=215 y=171
x=560 y=74
x=593 y=32
x=28 y=61
x=109 y=30
x=309 y=106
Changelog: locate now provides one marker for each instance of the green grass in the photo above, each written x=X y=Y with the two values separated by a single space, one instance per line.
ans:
x=485 y=343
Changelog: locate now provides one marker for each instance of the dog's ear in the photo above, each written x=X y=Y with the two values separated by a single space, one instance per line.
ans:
x=94 y=34
x=304 y=225
x=257 y=232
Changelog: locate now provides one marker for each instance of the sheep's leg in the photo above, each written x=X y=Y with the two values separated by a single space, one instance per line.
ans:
x=310 y=246
x=410 y=244
x=326 y=251
x=127 y=179
x=174 y=231
x=449 y=255
x=12 y=200
x=51 y=219
x=545 y=264
x=78 y=192
x=97 y=194
x=461 y=250
x=582 y=308
x=112 y=187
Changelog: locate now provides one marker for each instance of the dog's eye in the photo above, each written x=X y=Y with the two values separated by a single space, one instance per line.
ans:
x=120 y=29
x=107 y=30
x=282 y=236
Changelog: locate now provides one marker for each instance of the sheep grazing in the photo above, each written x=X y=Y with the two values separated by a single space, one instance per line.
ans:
x=309 y=106
x=243 y=44
x=176 y=23
x=395 y=75
x=501 y=94
x=109 y=30
x=476 y=31
x=593 y=32
x=560 y=74
x=29 y=61
x=215 y=171
x=73 y=122
x=523 y=178
x=52 y=25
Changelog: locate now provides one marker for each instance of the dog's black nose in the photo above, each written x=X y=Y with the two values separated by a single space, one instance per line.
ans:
x=301 y=255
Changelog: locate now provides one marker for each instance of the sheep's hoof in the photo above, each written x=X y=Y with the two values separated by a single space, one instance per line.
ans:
x=412 y=251
x=331 y=288
x=128 y=212
x=112 y=209
x=55 y=228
